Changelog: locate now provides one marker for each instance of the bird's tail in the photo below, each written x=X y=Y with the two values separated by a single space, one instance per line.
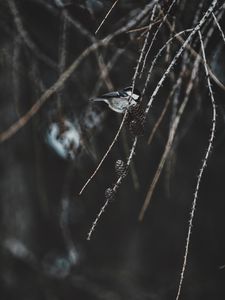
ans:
x=97 y=100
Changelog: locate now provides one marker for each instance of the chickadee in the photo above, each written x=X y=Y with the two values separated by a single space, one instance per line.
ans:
x=120 y=100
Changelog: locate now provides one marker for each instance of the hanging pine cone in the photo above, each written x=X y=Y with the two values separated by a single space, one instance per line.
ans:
x=135 y=120
x=135 y=111
x=109 y=194
x=120 y=168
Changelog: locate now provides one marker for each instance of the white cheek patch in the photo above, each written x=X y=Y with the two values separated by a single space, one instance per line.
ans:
x=134 y=96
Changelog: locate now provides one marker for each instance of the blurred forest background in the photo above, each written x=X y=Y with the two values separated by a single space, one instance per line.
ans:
x=52 y=138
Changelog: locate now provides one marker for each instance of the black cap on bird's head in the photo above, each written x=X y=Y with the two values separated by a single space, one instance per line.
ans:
x=126 y=92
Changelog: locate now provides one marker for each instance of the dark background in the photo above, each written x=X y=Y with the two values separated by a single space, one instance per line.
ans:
x=43 y=221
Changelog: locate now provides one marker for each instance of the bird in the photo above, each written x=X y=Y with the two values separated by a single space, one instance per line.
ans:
x=120 y=100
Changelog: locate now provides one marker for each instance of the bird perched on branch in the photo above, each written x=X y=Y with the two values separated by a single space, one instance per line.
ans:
x=120 y=100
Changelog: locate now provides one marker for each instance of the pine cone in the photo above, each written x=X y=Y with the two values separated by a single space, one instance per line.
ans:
x=120 y=168
x=136 y=127
x=135 y=120
x=109 y=194
x=136 y=112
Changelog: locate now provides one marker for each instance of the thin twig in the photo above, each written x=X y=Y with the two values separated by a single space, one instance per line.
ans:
x=168 y=48
x=62 y=54
x=178 y=54
x=158 y=55
x=115 y=188
x=143 y=27
x=134 y=175
x=155 y=35
x=144 y=46
x=194 y=53
x=219 y=27
x=106 y=16
x=109 y=65
x=205 y=160
x=97 y=219
x=158 y=122
x=26 y=38
x=15 y=75
x=170 y=140
x=134 y=21
x=105 y=155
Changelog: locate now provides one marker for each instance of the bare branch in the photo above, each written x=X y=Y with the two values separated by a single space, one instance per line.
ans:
x=205 y=160
x=106 y=16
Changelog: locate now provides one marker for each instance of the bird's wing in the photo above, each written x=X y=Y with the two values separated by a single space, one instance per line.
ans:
x=115 y=94
x=110 y=95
